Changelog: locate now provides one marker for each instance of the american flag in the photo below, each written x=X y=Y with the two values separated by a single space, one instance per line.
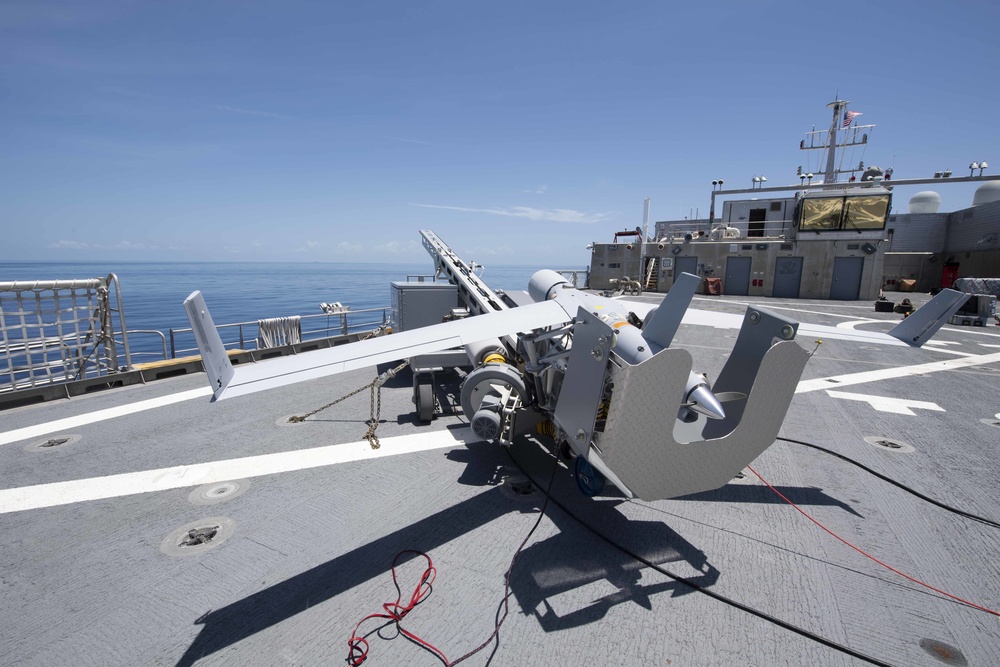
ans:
x=849 y=117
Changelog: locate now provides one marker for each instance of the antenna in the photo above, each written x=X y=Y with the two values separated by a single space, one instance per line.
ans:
x=826 y=140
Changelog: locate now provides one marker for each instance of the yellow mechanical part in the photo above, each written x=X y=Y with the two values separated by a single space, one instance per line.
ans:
x=546 y=428
x=494 y=358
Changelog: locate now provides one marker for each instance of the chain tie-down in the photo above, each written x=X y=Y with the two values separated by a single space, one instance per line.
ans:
x=375 y=403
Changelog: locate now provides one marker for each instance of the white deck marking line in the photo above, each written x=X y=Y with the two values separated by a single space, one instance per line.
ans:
x=889 y=373
x=146 y=481
x=768 y=306
x=957 y=353
x=69 y=423
x=971 y=330
x=899 y=406
x=853 y=323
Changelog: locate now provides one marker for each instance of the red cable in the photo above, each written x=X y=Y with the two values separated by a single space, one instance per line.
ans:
x=868 y=555
x=396 y=612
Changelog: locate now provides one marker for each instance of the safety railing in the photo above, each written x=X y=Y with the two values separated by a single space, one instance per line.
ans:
x=579 y=278
x=60 y=330
x=723 y=231
x=247 y=335
x=137 y=352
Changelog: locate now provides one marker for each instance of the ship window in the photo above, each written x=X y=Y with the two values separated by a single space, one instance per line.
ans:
x=776 y=206
x=865 y=212
x=844 y=213
x=821 y=214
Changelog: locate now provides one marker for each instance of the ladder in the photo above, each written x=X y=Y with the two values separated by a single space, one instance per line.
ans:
x=651 y=276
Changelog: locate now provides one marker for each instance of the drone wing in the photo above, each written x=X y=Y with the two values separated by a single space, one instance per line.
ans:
x=914 y=331
x=228 y=381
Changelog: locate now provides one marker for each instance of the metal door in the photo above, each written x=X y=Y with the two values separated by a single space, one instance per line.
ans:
x=787 y=277
x=685 y=265
x=737 y=280
x=847 y=278
x=757 y=222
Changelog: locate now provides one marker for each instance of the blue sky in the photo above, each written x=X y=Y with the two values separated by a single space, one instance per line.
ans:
x=518 y=131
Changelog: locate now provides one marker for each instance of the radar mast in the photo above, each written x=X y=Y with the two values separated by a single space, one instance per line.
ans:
x=849 y=135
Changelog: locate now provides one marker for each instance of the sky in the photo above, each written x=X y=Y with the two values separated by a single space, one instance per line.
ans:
x=519 y=132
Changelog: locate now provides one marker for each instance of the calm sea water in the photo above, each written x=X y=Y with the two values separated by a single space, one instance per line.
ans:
x=243 y=291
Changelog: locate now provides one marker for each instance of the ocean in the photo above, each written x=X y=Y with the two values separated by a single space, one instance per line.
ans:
x=152 y=292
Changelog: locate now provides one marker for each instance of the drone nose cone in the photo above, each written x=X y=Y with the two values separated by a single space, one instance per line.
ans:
x=703 y=401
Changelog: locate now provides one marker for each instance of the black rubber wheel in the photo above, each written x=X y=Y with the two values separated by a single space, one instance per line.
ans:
x=425 y=401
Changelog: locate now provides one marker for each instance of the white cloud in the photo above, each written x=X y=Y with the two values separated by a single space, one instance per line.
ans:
x=347 y=248
x=540 y=190
x=398 y=247
x=489 y=251
x=73 y=245
x=121 y=245
x=249 y=112
x=310 y=246
x=531 y=213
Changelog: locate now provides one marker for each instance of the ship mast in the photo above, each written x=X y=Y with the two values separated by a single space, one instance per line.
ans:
x=831 y=154
x=855 y=135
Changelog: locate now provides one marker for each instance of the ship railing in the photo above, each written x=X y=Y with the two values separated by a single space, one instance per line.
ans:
x=703 y=231
x=137 y=352
x=246 y=336
x=579 y=278
x=60 y=330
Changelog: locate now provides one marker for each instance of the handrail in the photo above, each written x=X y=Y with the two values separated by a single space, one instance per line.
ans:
x=113 y=278
x=703 y=231
x=163 y=340
x=343 y=327
x=573 y=276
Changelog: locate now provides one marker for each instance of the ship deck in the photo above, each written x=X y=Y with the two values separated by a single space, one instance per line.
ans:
x=308 y=518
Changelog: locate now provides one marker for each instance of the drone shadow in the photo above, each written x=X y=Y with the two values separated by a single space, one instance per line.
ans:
x=755 y=493
x=569 y=580
x=566 y=580
x=545 y=570
x=235 y=622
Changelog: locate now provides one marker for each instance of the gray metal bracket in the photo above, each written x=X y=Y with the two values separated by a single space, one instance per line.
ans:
x=638 y=443
x=759 y=331
x=579 y=398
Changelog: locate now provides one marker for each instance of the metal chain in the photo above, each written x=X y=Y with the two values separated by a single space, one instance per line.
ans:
x=375 y=414
x=297 y=419
x=375 y=404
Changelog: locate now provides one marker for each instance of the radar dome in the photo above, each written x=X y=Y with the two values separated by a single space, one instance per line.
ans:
x=986 y=193
x=925 y=202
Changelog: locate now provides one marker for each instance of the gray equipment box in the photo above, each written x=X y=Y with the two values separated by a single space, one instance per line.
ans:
x=977 y=311
x=416 y=304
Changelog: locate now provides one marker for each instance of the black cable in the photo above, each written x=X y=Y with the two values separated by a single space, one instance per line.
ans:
x=502 y=610
x=936 y=503
x=701 y=589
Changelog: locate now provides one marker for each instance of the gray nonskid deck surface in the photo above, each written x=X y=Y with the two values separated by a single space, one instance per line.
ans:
x=310 y=552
